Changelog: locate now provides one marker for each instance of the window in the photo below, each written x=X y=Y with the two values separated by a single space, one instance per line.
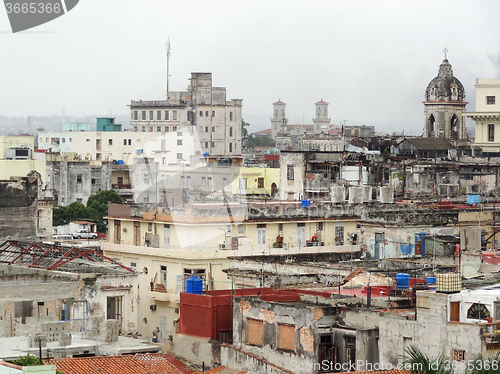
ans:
x=201 y=113
x=158 y=128
x=423 y=302
x=150 y=115
x=213 y=113
x=280 y=227
x=490 y=100
x=213 y=129
x=230 y=116
x=212 y=144
x=209 y=182
x=260 y=181
x=79 y=199
x=255 y=332
x=150 y=226
x=143 y=128
x=206 y=128
x=174 y=128
x=110 y=141
x=124 y=141
x=93 y=181
x=174 y=115
x=166 y=115
x=203 y=182
x=136 y=115
x=143 y=115
x=478 y=311
x=130 y=142
x=64 y=140
x=319 y=226
x=240 y=229
x=135 y=128
x=78 y=178
x=491 y=132
x=188 y=180
x=230 y=131
x=206 y=113
x=261 y=235
x=230 y=147
x=179 y=156
x=339 y=235
x=46 y=140
x=206 y=144
x=289 y=172
x=158 y=115
x=88 y=140
x=286 y=337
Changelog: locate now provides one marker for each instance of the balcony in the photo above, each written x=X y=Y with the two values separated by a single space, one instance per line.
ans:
x=122 y=188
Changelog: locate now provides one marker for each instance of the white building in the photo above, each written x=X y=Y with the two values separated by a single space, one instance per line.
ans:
x=487 y=115
x=201 y=106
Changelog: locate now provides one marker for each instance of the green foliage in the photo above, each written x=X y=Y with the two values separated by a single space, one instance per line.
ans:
x=399 y=176
x=418 y=363
x=244 y=131
x=27 y=360
x=96 y=209
x=260 y=141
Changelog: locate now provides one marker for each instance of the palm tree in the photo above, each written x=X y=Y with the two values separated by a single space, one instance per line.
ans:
x=421 y=364
x=244 y=131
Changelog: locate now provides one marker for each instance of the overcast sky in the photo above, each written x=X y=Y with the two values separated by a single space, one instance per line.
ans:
x=371 y=60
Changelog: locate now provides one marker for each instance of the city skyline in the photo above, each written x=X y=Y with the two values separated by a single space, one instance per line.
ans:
x=371 y=62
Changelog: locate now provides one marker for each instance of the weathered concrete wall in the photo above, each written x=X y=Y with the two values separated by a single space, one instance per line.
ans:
x=18 y=208
x=193 y=349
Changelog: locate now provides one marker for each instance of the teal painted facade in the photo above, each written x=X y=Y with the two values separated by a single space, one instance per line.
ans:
x=77 y=126
x=108 y=124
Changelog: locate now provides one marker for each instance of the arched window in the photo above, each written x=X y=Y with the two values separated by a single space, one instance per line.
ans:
x=454 y=123
x=478 y=311
x=431 y=124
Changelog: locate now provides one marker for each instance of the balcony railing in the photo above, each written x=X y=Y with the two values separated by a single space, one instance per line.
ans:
x=121 y=186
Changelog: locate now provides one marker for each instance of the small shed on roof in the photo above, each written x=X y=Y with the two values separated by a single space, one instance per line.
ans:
x=425 y=147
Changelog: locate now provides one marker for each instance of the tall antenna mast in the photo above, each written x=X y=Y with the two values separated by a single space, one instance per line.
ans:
x=167 y=46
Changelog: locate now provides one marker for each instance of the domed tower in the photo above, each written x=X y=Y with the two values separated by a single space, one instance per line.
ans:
x=445 y=105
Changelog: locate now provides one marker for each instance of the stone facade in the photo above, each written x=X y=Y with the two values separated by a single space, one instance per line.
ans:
x=444 y=106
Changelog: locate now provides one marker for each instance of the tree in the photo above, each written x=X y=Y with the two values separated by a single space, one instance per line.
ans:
x=419 y=363
x=95 y=211
x=27 y=360
x=244 y=131
x=260 y=141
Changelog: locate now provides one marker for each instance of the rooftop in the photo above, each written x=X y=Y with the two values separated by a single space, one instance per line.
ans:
x=137 y=364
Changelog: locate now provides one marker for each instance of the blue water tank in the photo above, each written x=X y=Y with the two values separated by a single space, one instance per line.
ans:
x=306 y=203
x=120 y=162
x=473 y=199
x=194 y=285
x=431 y=280
x=402 y=281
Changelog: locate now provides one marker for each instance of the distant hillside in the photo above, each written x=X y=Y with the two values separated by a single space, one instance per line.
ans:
x=19 y=125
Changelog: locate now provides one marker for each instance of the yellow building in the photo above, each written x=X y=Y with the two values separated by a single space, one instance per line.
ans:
x=20 y=141
x=255 y=181
x=487 y=115
x=21 y=168
x=168 y=246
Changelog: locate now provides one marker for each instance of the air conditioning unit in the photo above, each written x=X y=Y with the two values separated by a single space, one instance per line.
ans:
x=152 y=307
x=223 y=246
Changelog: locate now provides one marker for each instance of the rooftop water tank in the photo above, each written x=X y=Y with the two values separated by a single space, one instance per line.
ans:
x=448 y=282
x=402 y=281
x=194 y=285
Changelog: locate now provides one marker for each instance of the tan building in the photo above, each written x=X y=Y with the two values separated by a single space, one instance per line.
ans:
x=202 y=106
x=487 y=115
